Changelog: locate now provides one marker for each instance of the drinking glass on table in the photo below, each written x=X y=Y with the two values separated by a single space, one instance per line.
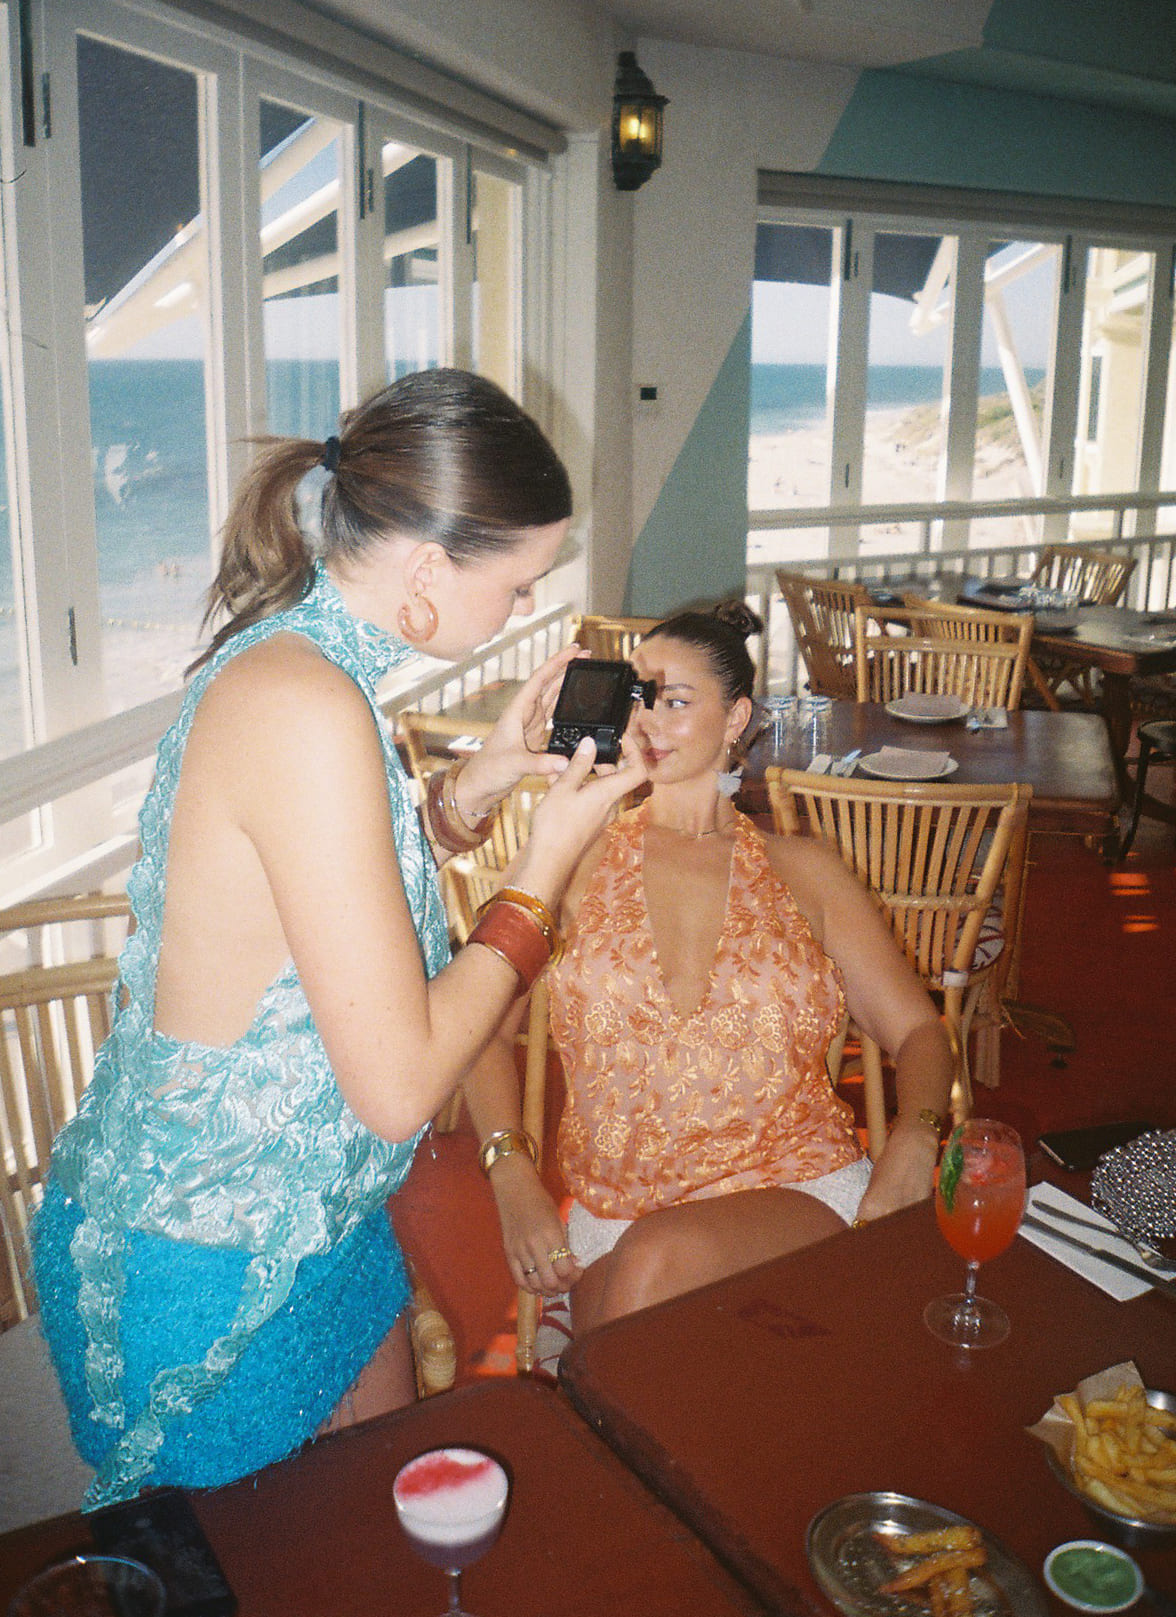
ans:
x=451 y=1503
x=92 y=1586
x=979 y=1201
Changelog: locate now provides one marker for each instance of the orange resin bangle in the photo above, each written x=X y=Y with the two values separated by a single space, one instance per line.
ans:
x=521 y=899
x=449 y=829
x=516 y=937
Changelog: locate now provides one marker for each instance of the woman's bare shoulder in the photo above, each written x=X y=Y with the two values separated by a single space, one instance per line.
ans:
x=285 y=675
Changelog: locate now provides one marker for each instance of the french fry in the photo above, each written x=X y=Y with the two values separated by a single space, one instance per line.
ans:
x=958 y=1594
x=963 y=1537
x=933 y=1566
x=1124 y=1454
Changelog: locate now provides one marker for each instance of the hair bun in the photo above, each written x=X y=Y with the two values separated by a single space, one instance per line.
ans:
x=738 y=615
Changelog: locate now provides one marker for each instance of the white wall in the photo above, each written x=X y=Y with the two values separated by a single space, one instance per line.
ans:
x=730 y=114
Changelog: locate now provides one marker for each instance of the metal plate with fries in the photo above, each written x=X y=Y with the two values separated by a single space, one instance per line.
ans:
x=864 y=1545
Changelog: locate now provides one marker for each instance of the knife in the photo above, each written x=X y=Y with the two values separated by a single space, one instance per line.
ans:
x=1168 y=1287
x=1072 y=1218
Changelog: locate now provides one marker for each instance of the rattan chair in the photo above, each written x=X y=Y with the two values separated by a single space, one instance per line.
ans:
x=53 y=1017
x=535 y=1040
x=931 y=650
x=939 y=861
x=1098 y=577
x=428 y=740
x=469 y=879
x=613 y=639
x=823 y=613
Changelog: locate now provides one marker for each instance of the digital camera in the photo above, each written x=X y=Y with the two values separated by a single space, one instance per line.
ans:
x=595 y=700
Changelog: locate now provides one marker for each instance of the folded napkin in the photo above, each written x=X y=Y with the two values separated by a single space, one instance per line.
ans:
x=1113 y=1281
x=911 y=762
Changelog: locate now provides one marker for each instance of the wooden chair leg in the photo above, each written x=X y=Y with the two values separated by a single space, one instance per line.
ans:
x=874 y=1097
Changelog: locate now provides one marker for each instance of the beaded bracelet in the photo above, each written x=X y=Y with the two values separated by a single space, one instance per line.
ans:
x=449 y=828
x=504 y=1144
x=515 y=936
x=521 y=899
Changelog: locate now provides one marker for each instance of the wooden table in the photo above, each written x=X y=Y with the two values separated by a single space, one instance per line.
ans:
x=1122 y=644
x=751 y=1405
x=1065 y=757
x=317 y=1536
x=1119 y=641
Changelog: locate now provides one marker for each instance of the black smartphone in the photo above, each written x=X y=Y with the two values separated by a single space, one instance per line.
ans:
x=1079 y=1149
x=596 y=699
x=161 y=1530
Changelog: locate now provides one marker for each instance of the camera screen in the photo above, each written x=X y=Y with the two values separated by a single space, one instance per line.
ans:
x=588 y=694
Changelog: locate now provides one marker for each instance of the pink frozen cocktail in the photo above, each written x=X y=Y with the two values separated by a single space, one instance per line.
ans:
x=451 y=1503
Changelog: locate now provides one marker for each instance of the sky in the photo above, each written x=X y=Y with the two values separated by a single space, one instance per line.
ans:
x=790 y=325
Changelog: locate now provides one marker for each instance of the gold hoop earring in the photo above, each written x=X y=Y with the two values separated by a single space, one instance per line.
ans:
x=407 y=625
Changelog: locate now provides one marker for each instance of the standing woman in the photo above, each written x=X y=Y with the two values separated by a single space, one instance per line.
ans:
x=213 y=1256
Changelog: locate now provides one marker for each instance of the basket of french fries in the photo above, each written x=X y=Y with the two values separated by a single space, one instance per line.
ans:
x=1112 y=1443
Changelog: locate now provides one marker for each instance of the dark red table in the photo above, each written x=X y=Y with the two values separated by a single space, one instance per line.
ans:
x=751 y=1405
x=317 y=1536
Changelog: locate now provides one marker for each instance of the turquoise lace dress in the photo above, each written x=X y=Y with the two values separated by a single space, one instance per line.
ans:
x=213 y=1255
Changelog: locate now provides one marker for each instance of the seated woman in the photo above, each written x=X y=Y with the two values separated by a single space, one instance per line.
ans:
x=707 y=970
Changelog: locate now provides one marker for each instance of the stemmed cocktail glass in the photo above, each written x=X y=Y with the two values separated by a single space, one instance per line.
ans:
x=979 y=1201
x=451 y=1503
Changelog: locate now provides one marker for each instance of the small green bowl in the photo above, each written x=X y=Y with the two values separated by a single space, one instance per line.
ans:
x=1095 y=1553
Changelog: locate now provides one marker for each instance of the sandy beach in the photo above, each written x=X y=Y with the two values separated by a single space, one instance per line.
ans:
x=788 y=470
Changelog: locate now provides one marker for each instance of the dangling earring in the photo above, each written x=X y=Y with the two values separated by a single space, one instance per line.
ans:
x=407 y=626
x=729 y=780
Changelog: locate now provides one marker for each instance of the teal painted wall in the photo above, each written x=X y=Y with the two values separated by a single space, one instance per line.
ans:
x=904 y=126
x=694 y=546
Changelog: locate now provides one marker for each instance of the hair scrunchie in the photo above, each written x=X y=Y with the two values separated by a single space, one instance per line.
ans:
x=332 y=449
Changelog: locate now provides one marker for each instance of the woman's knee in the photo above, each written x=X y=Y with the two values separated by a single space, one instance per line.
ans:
x=656 y=1258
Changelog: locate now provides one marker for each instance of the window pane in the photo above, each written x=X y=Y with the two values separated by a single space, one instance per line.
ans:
x=300 y=161
x=1020 y=296
x=1110 y=417
x=791 y=428
x=497 y=276
x=412 y=261
x=146 y=296
x=908 y=340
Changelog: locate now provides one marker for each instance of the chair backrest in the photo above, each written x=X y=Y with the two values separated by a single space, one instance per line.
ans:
x=1097 y=576
x=53 y=1017
x=613 y=639
x=941 y=651
x=469 y=879
x=823 y=613
x=428 y=739
x=934 y=856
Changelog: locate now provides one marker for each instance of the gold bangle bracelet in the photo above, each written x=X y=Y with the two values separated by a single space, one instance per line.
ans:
x=934 y=1120
x=534 y=907
x=505 y=1143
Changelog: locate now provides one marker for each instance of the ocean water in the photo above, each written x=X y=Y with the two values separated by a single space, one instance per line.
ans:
x=787 y=397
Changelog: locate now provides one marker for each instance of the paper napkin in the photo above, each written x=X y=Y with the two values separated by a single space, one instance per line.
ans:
x=1113 y=1281
x=909 y=761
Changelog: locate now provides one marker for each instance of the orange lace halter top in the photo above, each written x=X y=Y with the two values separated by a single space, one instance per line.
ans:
x=664 y=1107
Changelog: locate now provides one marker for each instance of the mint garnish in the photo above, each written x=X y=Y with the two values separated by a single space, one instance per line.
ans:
x=951 y=1167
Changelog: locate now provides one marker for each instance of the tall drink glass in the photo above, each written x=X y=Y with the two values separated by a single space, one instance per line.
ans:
x=979 y=1201
x=451 y=1503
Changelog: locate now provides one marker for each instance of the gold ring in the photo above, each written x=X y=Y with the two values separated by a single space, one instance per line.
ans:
x=859 y=1224
x=559 y=1252
x=533 y=1270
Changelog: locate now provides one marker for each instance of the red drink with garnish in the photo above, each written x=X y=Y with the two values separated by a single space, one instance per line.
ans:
x=978 y=1204
x=988 y=1201
x=451 y=1503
